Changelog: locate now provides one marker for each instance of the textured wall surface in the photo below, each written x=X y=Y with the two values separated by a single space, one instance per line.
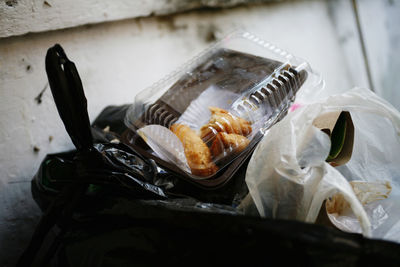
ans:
x=382 y=43
x=22 y=16
x=118 y=59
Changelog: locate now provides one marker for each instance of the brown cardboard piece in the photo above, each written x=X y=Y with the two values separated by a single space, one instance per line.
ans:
x=326 y=122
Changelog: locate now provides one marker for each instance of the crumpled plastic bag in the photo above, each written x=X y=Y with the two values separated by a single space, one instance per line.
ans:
x=288 y=177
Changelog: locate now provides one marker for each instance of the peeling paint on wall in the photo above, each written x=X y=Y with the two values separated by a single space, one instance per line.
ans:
x=19 y=17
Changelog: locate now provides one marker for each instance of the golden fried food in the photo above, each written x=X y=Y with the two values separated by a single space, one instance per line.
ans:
x=336 y=204
x=197 y=153
x=222 y=121
x=230 y=142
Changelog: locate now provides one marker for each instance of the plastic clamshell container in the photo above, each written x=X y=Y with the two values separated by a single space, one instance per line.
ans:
x=216 y=108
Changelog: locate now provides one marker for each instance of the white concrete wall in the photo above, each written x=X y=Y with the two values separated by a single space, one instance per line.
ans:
x=118 y=59
x=22 y=16
x=380 y=21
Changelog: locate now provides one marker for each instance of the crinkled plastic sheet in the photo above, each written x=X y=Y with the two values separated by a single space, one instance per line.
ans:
x=187 y=204
x=288 y=177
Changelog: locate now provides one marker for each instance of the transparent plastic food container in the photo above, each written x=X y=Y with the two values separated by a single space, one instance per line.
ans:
x=204 y=120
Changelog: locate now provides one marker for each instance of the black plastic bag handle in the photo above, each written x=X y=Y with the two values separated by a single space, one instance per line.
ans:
x=67 y=90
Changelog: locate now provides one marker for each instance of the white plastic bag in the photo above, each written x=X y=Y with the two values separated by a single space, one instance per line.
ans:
x=288 y=177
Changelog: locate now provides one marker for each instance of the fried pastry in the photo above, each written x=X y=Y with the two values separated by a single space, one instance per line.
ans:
x=230 y=142
x=197 y=153
x=222 y=121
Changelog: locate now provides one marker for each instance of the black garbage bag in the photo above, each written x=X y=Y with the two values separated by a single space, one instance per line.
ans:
x=105 y=204
x=101 y=165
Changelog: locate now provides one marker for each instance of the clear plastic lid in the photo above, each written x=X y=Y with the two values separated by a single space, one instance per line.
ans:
x=206 y=114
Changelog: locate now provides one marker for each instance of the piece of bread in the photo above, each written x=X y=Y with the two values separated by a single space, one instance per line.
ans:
x=197 y=153
x=222 y=121
x=228 y=142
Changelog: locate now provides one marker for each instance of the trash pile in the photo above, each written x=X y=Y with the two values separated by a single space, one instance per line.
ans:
x=237 y=140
